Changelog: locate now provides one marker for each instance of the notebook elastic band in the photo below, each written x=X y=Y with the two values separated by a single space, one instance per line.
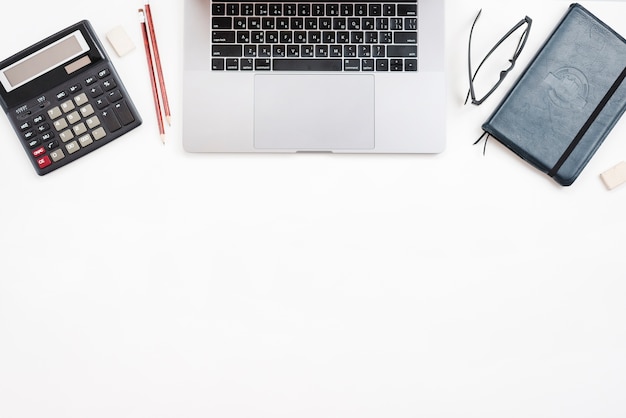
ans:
x=588 y=124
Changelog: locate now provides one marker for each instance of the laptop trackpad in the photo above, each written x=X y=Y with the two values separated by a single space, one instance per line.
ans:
x=314 y=112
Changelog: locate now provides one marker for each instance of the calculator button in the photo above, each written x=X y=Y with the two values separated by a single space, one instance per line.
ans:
x=109 y=85
x=73 y=117
x=60 y=124
x=114 y=96
x=47 y=136
x=39 y=152
x=93 y=122
x=72 y=147
x=57 y=155
x=87 y=110
x=81 y=99
x=39 y=119
x=104 y=73
x=110 y=120
x=80 y=129
x=66 y=135
x=95 y=92
x=124 y=113
x=90 y=80
x=43 y=128
x=25 y=126
x=101 y=103
x=85 y=140
x=29 y=135
x=52 y=145
x=76 y=88
x=99 y=134
x=62 y=95
x=68 y=106
x=44 y=162
x=55 y=113
x=32 y=144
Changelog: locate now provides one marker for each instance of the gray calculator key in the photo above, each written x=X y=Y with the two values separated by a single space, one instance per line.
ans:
x=72 y=147
x=87 y=110
x=81 y=99
x=55 y=113
x=66 y=135
x=68 y=106
x=57 y=155
x=60 y=124
x=99 y=134
x=80 y=129
x=73 y=118
x=85 y=140
x=93 y=122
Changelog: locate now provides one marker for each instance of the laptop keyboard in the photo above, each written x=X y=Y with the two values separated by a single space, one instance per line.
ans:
x=302 y=36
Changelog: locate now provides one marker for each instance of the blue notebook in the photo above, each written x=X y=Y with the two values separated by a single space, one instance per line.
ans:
x=567 y=100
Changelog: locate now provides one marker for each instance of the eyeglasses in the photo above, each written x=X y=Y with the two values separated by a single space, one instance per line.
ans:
x=503 y=73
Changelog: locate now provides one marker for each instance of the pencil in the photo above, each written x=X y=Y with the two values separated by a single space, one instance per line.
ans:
x=157 y=60
x=155 y=93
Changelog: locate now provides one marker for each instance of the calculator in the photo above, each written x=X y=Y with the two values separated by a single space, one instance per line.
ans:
x=64 y=98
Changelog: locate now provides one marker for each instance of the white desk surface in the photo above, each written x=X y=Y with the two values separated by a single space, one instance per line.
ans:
x=142 y=281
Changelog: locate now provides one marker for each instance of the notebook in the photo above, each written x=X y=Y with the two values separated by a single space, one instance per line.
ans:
x=314 y=76
x=568 y=99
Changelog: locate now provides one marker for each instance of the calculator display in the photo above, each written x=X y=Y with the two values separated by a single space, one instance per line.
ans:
x=43 y=61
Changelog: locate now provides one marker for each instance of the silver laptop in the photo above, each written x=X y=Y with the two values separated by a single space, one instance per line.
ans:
x=314 y=76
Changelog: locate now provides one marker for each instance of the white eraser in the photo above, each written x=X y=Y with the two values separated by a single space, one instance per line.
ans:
x=120 y=41
x=615 y=176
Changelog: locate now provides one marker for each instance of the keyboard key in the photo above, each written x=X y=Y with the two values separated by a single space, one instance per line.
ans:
x=247 y=64
x=382 y=65
x=402 y=51
x=218 y=9
x=407 y=10
x=223 y=37
x=262 y=64
x=367 y=65
x=396 y=64
x=222 y=23
x=227 y=51
x=308 y=64
x=232 y=64
x=351 y=65
x=405 y=37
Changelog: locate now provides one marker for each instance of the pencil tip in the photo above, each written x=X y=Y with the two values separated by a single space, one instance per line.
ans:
x=169 y=120
x=163 y=139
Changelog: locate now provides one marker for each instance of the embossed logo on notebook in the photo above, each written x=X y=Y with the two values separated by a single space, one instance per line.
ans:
x=568 y=88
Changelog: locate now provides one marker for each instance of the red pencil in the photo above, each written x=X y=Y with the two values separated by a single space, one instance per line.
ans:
x=155 y=93
x=157 y=60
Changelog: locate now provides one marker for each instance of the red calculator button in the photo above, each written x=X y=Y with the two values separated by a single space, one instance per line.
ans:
x=39 y=151
x=44 y=162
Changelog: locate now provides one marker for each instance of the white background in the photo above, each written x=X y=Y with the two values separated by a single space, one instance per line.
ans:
x=142 y=281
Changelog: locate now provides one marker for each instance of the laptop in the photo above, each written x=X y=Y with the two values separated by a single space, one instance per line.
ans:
x=314 y=76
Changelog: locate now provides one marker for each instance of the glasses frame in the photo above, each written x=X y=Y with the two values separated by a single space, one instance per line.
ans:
x=518 y=50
